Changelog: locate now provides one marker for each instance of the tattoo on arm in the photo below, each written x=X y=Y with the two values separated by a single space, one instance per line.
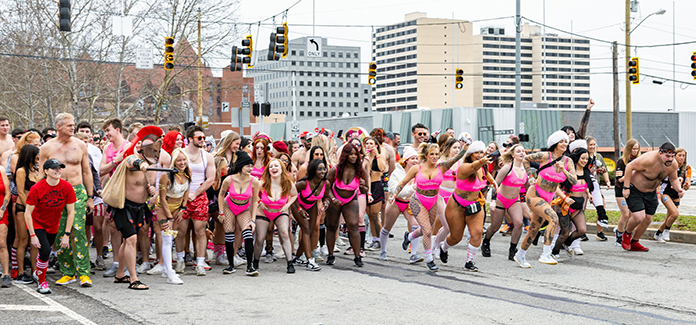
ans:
x=538 y=157
x=448 y=163
x=570 y=173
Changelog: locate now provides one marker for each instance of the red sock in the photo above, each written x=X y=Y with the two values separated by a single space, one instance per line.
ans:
x=41 y=267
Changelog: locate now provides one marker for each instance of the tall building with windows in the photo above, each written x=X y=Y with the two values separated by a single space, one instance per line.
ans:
x=417 y=59
x=326 y=86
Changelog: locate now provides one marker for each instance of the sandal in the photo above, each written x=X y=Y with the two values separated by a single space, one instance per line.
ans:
x=137 y=285
x=125 y=279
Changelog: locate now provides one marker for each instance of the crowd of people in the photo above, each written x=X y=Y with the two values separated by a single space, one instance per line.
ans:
x=189 y=201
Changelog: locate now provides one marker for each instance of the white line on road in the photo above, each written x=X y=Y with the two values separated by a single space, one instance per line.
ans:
x=56 y=306
x=28 y=308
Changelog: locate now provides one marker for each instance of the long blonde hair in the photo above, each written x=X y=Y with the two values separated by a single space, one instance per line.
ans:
x=626 y=155
x=26 y=137
x=507 y=157
x=677 y=151
x=225 y=144
x=172 y=164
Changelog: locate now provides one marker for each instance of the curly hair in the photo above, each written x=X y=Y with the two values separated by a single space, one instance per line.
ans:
x=343 y=161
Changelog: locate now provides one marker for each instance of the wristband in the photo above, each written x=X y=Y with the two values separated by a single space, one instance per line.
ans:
x=32 y=235
x=182 y=208
x=626 y=188
x=67 y=233
x=137 y=163
x=90 y=196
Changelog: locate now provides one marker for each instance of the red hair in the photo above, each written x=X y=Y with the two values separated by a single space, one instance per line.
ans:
x=266 y=154
x=343 y=161
x=169 y=141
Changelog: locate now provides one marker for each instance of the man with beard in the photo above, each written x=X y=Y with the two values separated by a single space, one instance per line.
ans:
x=641 y=177
x=299 y=156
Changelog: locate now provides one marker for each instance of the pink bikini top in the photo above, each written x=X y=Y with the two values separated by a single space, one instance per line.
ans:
x=307 y=193
x=426 y=184
x=577 y=188
x=451 y=174
x=266 y=200
x=550 y=174
x=257 y=172
x=352 y=186
x=511 y=180
x=470 y=186
x=233 y=195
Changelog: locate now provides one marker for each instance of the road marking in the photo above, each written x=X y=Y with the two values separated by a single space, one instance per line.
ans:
x=27 y=308
x=55 y=306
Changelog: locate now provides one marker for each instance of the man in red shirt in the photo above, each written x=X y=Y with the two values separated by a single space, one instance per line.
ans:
x=45 y=204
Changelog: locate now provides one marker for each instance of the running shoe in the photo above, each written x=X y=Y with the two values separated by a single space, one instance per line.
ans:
x=348 y=251
x=375 y=246
x=290 y=268
x=206 y=266
x=24 y=278
x=317 y=256
x=618 y=237
x=340 y=242
x=238 y=261
x=85 y=281
x=584 y=238
x=362 y=253
x=111 y=272
x=578 y=251
x=35 y=277
x=52 y=260
x=504 y=228
x=626 y=241
x=557 y=257
x=255 y=264
x=383 y=256
x=522 y=261
x=301 y=261
x=660 y=237
x=200 y=270
x=99 y=264
x=547 y=259
x=511 y=253
x=241 y=252
x=268 y=258
x=325 y=250
x=180 y=266
x=173 y=278
x=144 y=267
x=6 y=281
x=251 y=271
x=43 y=288
x=600 y=236
x=603 y=223
x=569 y=250
x=486 y=248
x=14 y=273
x=228 y=270
x=221 y=260
x=65 y=280
x=665 y=235
x=105 y=252
x=444 y=255
x=330 y=260
x=313 y=266
x=405 y=243
x=415 y=258
x=158 y=269
x=469 y=266
x=432 y=267
x=637 y=247
x=188 y=259
x=358 y=261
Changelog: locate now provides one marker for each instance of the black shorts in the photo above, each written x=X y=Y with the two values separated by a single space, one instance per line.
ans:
x=639 y=201
x=129 y=219
x=377 y=191
x=674 y=195
x=618 y=190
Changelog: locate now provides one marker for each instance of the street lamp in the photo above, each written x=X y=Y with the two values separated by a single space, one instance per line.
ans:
x=629 y=122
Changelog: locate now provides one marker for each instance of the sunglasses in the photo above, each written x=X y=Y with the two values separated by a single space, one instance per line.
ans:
x=421 y=134
x=357 y=145
x=199 y=138
x=507 y=145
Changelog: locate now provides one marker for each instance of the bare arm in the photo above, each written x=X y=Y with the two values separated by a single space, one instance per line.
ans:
x=537 y=157
x=674 y=181
x=502 y=173
x=254 y=197
x=224 y=188
x=87 y=178
x=20 y=180
x=570 y=172
x=585 y=119
x=8 y=194
x=163 y=185
x=409 y=176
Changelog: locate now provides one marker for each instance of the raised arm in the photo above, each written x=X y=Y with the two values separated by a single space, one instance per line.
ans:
x=585 y=119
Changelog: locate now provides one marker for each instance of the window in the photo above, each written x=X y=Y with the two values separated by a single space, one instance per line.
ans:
x=326 y=84
x=302 y=73
x=292 y=62
x=326 y=54
x=355 y=65
x=333 y=64
x=301 y=103
x=301 y=93
x=333 y=84
x=347 y=94
x=356 y=94
x=333 y=94
x=340 y=64
x=309 y=83
x=333 y=55
x=301 y=53
x=340 y=84
x=355 y=55
x=333 y=104
x=317 y=104
x=355 y=84
x=340 y=94
x=309 y=104
x=326 y=94
x=340 y=104
x=316 y=64
x=326 y=64
x=326 y=104
x=340 y=54
x=333 y=74
x=302 y=63
x=326 y=114
x=326 y=74
x=301 y=113
x=309 y=114
x=334 y=113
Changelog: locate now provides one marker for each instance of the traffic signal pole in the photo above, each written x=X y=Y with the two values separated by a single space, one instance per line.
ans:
x=200 y=75
x=629 y=118
x=518 y=71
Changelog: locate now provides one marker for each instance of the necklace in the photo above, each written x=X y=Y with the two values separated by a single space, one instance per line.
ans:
x=200 y=152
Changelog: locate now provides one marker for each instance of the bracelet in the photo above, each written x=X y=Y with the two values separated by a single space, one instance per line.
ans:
x=67 y=233
x=90 y=196
x=32 y=235
x=182 y=207
x=626 y=188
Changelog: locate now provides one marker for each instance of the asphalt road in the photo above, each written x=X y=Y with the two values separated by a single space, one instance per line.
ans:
x=606 y=285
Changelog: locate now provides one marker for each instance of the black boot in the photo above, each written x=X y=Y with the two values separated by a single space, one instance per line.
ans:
x=358 y=261
x=486 y=248
x=512 y=252
x=291 y=267
x=255 y=263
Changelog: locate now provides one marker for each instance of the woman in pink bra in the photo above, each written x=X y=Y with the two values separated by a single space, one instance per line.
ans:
x=316 y=152
x=238 y=203
x=347 y=180
x=450 y=148
x=425 y=202
x=574 y=196
x=465 y=209
x=278 y=193
x=310 y=190
x=511 y=179
x=555 y=169
x=261 y=157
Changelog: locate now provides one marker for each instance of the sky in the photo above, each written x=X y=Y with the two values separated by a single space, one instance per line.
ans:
x=601 y=19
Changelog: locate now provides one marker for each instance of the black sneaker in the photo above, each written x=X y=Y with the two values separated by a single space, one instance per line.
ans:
x=584 y=238
x=358 y=261
x=291 y=268
x=228 y=270
x=24 y=278
x=511 y=253
x=390 y=235
x=444 y=256
x=241 y=252
x=469 y=266
x=486 y=248
x=432 y=267
x=405 y=243
x=105 y=252
x=251 y=271
x=600 y=236
x=330 y=260
x=188 y=260
x=6 y=281
x=256 y=264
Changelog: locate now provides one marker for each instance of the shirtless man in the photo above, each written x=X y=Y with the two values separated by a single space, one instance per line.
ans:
x=143 y=152
x=6 y=142
x=299 y=156
x=420 y=134
x=74 y=260
x=641 y=177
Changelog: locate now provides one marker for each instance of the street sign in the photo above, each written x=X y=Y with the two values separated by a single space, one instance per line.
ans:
x=245 y=104
x=313 y=47
x=143 y=59
x=225 y=107
x=485 y=128
x=122 y=26
x=504 y=132
x=204 y=122
x=295 y=126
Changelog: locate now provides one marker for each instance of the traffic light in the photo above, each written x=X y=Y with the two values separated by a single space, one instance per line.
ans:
x=693 y=65
x=277 y=46
x=372 y=75
x=634 y=71
x=236 y=63
x=285 y=35
x=458 y=79
x=249 y=44
x=168 y=53
x=255 y=109
x=64 y=15
x=266 y=109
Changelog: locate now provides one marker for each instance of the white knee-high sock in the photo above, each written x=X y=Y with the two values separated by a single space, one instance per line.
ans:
x=383 y=238
x=471 y=252
x=414 y=241
x=167 y=252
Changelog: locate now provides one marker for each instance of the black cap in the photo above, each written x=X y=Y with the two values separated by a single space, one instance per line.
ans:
x=52 y=163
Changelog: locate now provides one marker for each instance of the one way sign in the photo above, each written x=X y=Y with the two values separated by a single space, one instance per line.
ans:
x=313 y=47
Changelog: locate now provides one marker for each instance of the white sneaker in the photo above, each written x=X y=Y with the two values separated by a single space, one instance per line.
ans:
x=383 y=256
x=317 y=256
x=158 y=269
x=312 y=265
x=325 y=250
x=340 y=242
x=180 y=266
x=578 y=251
x=238 y=261
x=415 y=259
x=173 y=278
x=522 y=261
x=660 y=238
x=665 y=235
x=221 y=260
x=200 y=270
x=144 y=267
x=206 y=266
x=547 y=259
x=268 y=258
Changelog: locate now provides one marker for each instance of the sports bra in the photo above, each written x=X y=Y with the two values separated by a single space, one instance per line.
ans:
x=511 y=180
x=426 y=184
x=550 y=174
x=451 y=174
x=266 y=200
x=233 y=195
x=578 y=188
x=257 y=172
x=177 y=190
x=467 y=185
x=352 y=186
x=307 y=193
x=375 y=166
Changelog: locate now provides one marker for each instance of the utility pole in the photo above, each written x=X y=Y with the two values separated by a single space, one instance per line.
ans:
x=615 y=72
x=200 y=75
x=629 y=123
x=518 y=71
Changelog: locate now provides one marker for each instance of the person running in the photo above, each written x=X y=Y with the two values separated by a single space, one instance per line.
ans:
x=278 y=193
x=597 y=167
x=310 y=190
x=450 y=148
x=5 y=197
x=173 y=189
x=400 y=204
x=641 y=178
x=510 y=180
x=74 y=260
x=347 y=180
x=239 y=202
x=630 y=152
x=426 y=202
x=45 y=203
x=378 y=165
x=670 y=198
x=557 y=168
x=316 y=152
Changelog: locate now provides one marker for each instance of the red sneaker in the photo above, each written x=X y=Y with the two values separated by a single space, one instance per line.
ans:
x=637 y=247
x=14 y=273
x=626 y=241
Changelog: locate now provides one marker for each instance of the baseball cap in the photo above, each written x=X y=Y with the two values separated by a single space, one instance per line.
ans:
x=52 y=163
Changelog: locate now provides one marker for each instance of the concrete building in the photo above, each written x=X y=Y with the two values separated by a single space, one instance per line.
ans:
x=417 y=59
x=326 y=86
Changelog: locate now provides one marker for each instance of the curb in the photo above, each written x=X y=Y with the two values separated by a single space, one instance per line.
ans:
x=679 y=236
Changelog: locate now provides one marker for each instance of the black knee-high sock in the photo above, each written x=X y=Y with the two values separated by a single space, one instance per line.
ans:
x=601 y=213
x=249 y=245
x=322 y=235
x=362 y=230
x=229 y=246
